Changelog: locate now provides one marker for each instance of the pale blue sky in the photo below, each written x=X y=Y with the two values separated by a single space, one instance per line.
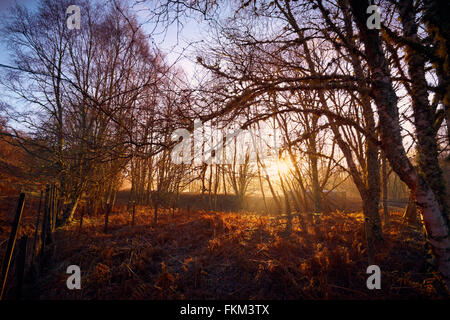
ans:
x=172 y=43
x=5 y=5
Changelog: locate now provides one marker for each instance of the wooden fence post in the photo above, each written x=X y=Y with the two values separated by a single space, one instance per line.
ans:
x=22 y=257
x=134 y=212
x=55 y=206
x=81 y=219
x=45 y=219
x=59 y=208
x=108 y=211
x=52 y=209
x=36 y=228
x=11 y=243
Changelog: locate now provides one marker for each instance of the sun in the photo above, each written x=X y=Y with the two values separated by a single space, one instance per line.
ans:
x=282 y=167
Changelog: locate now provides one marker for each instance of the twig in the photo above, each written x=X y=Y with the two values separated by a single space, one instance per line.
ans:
x=348 y=289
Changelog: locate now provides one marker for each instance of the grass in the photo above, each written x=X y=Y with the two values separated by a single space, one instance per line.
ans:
x=216 y=255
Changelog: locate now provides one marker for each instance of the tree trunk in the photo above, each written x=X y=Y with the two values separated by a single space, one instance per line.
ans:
x=262 y=186
x=385 y=189
x=410 y=213
x=386 y=100
x=372 y=197
x=427 y=145
x=372 y=219
x=155 y=218
x=108 y=211
x=315 y=182
x=70 y=211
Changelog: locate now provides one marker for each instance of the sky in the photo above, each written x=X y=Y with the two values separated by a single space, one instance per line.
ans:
x=171 y=43
x=178 y=44
x=4 y=6
x=6 y=3
x=175 y=43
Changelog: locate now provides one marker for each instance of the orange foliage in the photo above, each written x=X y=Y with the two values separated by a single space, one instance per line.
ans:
x=214 y=255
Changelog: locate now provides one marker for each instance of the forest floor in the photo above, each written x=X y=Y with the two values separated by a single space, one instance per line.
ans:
x=216 y=255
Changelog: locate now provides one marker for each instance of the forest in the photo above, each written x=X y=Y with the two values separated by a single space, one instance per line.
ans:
x=225 y=149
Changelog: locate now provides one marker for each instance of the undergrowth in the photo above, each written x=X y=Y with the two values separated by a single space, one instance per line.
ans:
x=215 y=255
